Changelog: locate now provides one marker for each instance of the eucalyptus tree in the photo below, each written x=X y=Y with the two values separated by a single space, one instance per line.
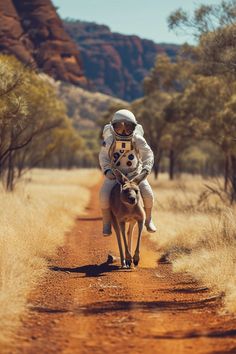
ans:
x=214 y=27
x=149 y=112
x=162 y=88
x=30 y=113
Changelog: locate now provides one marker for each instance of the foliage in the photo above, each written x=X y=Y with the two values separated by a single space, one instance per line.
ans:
x=149 y=112
x=160 y=113
x=214 y=27
x=32 y=121
x=201 y=89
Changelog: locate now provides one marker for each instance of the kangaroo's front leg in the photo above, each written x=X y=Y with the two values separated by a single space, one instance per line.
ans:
x=128 y=257
x=136 y=254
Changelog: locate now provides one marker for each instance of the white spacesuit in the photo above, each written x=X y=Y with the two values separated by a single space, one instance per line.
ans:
x=124 y=148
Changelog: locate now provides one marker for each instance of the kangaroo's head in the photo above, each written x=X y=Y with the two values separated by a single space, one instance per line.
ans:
x=129 y=189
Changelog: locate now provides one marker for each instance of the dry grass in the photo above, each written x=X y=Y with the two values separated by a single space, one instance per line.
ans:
x=33 y=222
x=198 y=235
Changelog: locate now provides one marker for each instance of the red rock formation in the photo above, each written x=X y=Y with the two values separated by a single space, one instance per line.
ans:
x=12 y=37
x=32 y=31
x=116 y=64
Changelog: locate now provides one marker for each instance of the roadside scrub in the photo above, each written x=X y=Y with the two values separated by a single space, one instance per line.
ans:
x=33 y=222
x=197 y=233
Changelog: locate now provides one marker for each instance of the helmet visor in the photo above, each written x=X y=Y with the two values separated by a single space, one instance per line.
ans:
x=123 y=128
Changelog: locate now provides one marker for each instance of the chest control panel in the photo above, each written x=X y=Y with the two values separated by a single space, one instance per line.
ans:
x=123 y=145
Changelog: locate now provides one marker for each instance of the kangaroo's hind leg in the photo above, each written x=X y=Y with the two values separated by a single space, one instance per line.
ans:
x=118 y=237
x=128 y=257
x=136 y=254
x=130 y=234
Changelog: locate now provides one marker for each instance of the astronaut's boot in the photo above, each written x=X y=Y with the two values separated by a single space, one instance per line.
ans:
x=106 y=216
x=148 y=222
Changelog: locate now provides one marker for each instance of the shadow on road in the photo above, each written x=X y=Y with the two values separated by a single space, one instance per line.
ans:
x=111 y=306
x=98 y=308
x=90 y=270
x=89 y=218
x=47 y=310
x=230 y=351
x=196 y=334
x=188 y=290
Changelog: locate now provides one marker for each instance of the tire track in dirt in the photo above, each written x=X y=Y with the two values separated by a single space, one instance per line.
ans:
x=87 y=306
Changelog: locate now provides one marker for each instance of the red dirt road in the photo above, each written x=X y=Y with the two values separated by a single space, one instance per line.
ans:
x=86 y=306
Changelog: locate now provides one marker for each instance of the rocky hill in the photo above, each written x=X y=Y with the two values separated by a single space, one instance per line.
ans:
x=115 y=64
x=33 y=32
x=85 y=108
x=82 y=53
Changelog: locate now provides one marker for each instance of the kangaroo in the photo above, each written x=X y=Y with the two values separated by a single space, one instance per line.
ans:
x=127 y=207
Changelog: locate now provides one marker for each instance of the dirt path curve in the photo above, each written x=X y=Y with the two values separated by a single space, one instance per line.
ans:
x=86 y=306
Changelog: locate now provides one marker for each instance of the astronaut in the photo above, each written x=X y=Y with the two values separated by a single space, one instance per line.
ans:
x=124 y=148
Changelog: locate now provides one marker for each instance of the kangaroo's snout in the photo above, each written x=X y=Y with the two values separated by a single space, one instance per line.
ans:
x=132 y=200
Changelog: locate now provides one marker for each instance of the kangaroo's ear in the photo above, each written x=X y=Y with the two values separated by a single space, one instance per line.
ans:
x=138 y=179
x=121 y=178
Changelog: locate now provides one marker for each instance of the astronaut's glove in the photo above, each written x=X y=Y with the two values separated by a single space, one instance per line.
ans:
x=144 y=172
x=109 y=174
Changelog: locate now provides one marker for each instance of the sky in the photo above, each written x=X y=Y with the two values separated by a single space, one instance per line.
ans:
x=145 y=18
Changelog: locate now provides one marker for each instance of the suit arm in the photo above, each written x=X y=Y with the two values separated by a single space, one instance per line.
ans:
x=146 y=153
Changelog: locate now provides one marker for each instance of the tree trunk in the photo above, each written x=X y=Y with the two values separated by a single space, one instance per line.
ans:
x=156 y=170
x=10 y=173
x=226 y=173
x=20 y=169
x=233 y=178
x=156 y=165
x=171 y=164
x=60 y=161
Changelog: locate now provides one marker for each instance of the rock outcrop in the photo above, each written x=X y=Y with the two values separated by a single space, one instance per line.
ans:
x=33 y=32
x=115 y=64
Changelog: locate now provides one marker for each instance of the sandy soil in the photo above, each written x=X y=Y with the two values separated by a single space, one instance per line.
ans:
x=87 y=306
